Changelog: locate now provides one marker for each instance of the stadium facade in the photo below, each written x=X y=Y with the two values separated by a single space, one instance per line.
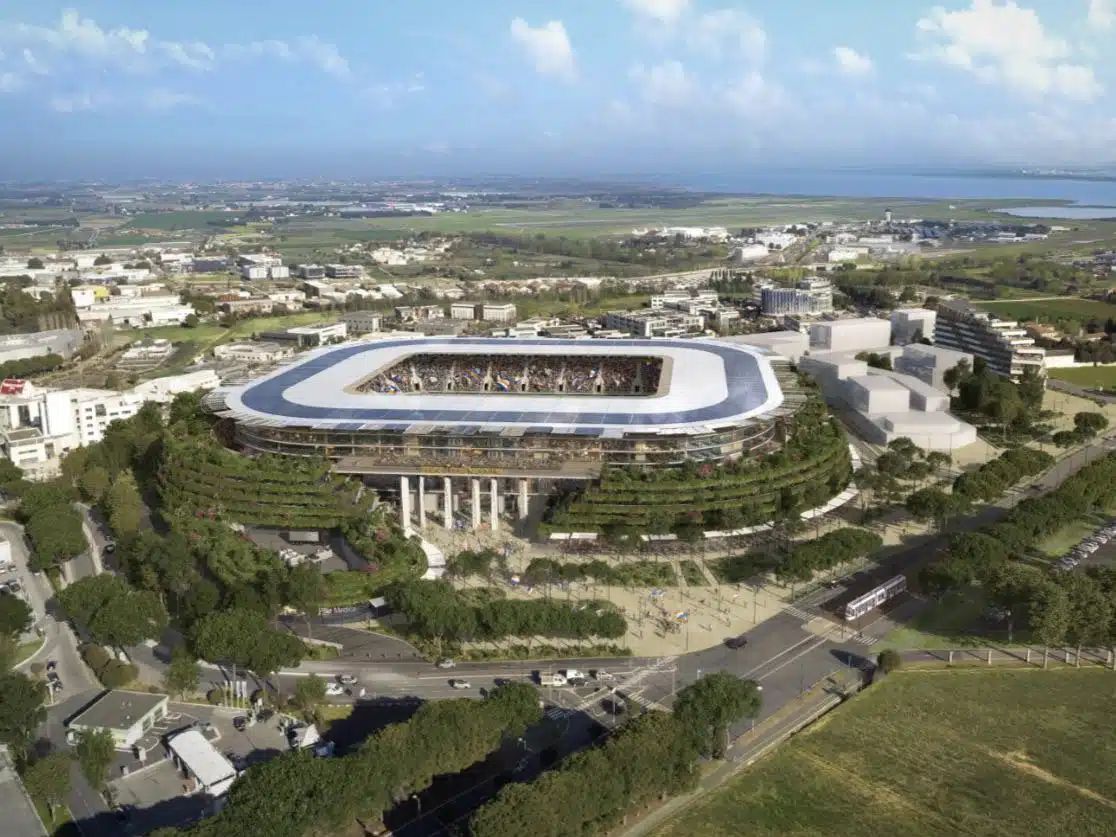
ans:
x=450 y=420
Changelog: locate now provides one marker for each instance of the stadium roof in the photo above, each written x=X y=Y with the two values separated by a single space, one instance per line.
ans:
x=709 y=384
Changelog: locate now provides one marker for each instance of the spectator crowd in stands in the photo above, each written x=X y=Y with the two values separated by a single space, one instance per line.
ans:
x=543 y=374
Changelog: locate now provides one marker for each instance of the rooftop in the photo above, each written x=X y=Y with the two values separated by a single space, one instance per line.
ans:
x=215 y=772
x=117 y=709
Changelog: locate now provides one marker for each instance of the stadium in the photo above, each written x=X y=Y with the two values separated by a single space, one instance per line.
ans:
x=520 y=419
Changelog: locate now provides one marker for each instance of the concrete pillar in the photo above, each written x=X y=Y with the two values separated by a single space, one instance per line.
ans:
x=476 y=503
x=522 y=499
x=494 y=511
x=447 y=495
x=422 y=502
x=405 y=505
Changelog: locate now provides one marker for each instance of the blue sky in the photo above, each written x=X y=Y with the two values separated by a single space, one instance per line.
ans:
x=340 y=88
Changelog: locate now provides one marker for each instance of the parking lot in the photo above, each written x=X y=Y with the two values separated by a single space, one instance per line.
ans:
x=1096 y=549
x=154 y=791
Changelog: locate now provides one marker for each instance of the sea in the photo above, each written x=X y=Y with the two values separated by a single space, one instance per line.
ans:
x=1087 y=196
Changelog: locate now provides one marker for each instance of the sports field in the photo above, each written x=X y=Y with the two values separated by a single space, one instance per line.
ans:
x=942 y=753
x=1103 y=377
x=1051 y=308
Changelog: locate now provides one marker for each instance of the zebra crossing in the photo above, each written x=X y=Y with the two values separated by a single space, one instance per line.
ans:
x=799 y=613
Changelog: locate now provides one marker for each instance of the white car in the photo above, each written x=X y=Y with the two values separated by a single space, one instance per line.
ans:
x=460 y=684
x=334 y=689
x=347 y=679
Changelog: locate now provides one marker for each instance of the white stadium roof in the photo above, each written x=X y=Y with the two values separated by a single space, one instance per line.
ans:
x=709 y=384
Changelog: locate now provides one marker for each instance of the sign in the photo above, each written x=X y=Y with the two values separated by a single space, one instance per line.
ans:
x=12 y=386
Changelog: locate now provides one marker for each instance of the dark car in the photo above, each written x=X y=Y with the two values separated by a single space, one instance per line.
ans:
x=736 y=642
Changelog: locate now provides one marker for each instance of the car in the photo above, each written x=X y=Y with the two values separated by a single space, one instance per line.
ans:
x=460 y=684
x=240 y=723
x=52 y=665
x=603 y=676
x=347 y=679
x=109 y=547
x=573 y=674
x=736 y=642
x=446 y=662
x=334 y=689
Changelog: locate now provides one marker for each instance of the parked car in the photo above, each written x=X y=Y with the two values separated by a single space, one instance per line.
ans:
x=334 y=689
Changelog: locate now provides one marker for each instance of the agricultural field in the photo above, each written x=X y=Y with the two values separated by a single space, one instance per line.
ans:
x=1092 y=377
x=1051 y=308
x=1013 y=753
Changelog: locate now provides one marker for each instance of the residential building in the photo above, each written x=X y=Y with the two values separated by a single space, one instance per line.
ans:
x=856 y=334
x=362 y=322
x=123 y=714
x=655 y=323
x=463 y=310
x=247 y=305
x=209 y=264
x=910 y=325
x=1002 y=344
x=681 y=300
x=810 y=296
x=419 y=312
x=500 y=312
x=163 y=390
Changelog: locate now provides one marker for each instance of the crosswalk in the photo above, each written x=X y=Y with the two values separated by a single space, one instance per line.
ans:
x=799 y=613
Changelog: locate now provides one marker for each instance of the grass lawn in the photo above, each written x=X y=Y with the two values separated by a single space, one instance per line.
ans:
x=25 y=650
x=944 y=624
x=1047 y=310
x=1066 y=538
x=960 y=752
x=1103 y=377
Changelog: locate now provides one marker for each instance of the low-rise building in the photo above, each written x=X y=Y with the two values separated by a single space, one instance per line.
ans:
x=655 y=323
x=910 y=325
x=790 y=344
x=310 y=336
x=202 y=763
x=344 y=271
x=253 y=353
x=809 y=296
x=310 y=271
x=362 y=322
x=930 y=363
x=61 y=341
x=499 y=312
x=463 y=310
x=125 y=715
x=850 y=335
x=163 y=390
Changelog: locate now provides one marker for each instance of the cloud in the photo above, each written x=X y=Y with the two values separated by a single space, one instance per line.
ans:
x=323 y=55
x=33 y=64
x=852 y=63
x=1006 y=44
x=660 y=11
x=388 y=94
x=753 y=95
x=547 y=46
x=10 y=82
x=162 y=99
x=1102 y=14
x=77 y=102
x=728 y=32
x=665 y=85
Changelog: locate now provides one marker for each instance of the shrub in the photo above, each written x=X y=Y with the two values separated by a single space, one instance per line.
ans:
x=117 y=674
x=888 y=661
x=214 y=696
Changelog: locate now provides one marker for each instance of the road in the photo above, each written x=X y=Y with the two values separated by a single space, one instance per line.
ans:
x=787 y=655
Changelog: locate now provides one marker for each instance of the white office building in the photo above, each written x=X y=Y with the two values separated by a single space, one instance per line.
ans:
x=930 y=363
x=910 y=325
x=852 y=335
x=810 y=296
x=499 y=312
x=253 y=353
x=362 y=322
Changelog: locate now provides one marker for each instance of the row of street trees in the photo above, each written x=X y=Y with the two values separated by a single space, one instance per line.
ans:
x=650 y=757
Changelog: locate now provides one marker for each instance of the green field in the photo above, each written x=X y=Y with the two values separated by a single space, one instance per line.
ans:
x=1047 y=310
x=959 y=752
x=948 y=623
x=1103 y=377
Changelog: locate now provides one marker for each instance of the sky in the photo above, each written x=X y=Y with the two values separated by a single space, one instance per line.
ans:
x=367 y=88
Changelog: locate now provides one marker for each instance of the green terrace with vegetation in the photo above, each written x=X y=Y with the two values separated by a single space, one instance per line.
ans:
x=995 y=753
x=813 y=465
x=197 y=474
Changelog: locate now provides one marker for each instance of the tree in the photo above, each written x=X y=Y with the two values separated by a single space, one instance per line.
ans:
x=183 y=673
x=930 y=504
x=190 y=321
x=15 y=616
x=21 y=709
x=48 y=779
x=94 y=483
x=710 y=705
x=888 y=661
x=953 y=377
x=125 y=506
x=309 y=692
x=113 y=612
x=35 y=263
x=95 y=751
x=1089 y=424
x=245 y=638
x=102 y=260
